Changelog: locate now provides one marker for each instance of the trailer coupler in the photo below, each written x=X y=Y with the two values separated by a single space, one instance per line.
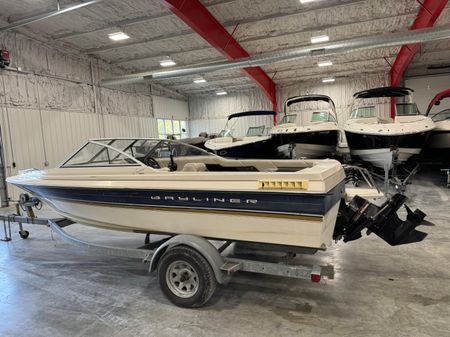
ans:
x=381 y=220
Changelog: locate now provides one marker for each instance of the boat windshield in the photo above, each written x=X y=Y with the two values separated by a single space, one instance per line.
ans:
x=407 y=109
x=255 y=131
x=130 y=152
x=441 y=116
x=363 y=112
x=322 y=116
x=225 y=133
x=288 y=119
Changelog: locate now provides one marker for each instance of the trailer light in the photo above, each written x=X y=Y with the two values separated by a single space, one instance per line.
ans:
x=315 y=277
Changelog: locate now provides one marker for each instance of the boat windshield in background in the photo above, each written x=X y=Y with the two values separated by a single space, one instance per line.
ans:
x=406 y=109
x=287 y=119
x=441 y=116
x=322 y=116
x=363 y=112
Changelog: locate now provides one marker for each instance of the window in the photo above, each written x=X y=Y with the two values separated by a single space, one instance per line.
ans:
x=96 y=155
x=364 y=112
x=407 y=109
x=255 y=131
x=441 y=116
x=171 y=128
x=322 y=116
x=288 y=119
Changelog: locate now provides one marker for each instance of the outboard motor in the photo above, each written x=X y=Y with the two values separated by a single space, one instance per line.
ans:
x=381 y=220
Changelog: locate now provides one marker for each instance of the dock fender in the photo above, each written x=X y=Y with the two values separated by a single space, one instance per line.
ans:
x=200 y=244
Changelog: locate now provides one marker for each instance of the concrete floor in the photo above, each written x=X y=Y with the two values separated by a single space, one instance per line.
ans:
x=49 y=288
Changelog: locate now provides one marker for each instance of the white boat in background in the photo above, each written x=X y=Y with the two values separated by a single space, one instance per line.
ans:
x=164 y=186
x=317 y=139
x=257 y=142
x=381 y=140
x=438 y=144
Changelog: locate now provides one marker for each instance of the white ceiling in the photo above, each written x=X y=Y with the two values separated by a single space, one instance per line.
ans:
x=264 y=26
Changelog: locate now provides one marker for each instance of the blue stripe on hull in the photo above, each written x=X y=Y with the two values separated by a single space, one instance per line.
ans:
x=263 y=201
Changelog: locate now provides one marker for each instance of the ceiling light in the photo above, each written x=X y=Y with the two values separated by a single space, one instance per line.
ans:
x=118 y=36
x=325 y=64
x=167 y=63
x=320 y=38
x=328 y=80
x=221 y=93
x=199 y=80
x=306 y=1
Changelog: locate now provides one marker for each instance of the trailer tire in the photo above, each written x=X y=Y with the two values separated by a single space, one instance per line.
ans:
x=24 y=234
x=185 y=277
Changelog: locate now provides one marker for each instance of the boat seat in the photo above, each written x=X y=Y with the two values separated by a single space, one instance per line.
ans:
x=195 y=167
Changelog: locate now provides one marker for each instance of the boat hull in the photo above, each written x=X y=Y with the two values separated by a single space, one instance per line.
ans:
x=301 y=219
x=314 y=144
x=312 y=232
x=377 y=149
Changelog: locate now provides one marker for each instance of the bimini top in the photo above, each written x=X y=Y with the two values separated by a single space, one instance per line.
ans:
x=309 y=98
x=437 y=100
x=252 y=113
x=384 y=92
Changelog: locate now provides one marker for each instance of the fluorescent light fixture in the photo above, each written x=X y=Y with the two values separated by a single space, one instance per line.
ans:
x=325 y=63
x=328 y=80
x=118 y=36
x=221 y=93
x=199 y=80
x=306 y=1
x=167 y=63
x=320 y=38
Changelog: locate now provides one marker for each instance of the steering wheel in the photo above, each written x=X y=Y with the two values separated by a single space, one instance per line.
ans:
x=150 y=161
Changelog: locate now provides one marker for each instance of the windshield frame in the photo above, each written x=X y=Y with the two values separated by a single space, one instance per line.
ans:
x=106 y=143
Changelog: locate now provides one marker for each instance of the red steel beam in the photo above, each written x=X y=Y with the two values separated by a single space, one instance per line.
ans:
x=428 y=13
x=197 y=16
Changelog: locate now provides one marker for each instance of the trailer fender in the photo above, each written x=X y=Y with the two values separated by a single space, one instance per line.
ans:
x=198 y=243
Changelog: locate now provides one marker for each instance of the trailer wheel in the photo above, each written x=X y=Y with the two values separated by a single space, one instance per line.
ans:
x=186 y=277
x=24 y=234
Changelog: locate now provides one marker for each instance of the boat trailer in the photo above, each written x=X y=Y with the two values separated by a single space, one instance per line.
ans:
x=179 y=260
x=190 y=267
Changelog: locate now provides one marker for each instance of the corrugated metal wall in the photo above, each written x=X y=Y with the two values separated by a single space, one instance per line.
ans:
x=42 y=139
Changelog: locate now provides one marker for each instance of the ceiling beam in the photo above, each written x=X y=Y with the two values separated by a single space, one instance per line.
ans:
x=197 y=16
x=429 y=11
x=44 y=16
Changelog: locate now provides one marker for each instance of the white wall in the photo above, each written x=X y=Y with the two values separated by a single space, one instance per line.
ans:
x=164 y=107
x=425 y=88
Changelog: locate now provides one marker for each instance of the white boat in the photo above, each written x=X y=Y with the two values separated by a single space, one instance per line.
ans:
x=317 y=139
x=438 y=144
x=164 y=186
x=257 y=143
x=381 y=140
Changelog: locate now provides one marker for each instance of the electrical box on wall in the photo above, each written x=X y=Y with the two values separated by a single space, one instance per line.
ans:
x=4 y=58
